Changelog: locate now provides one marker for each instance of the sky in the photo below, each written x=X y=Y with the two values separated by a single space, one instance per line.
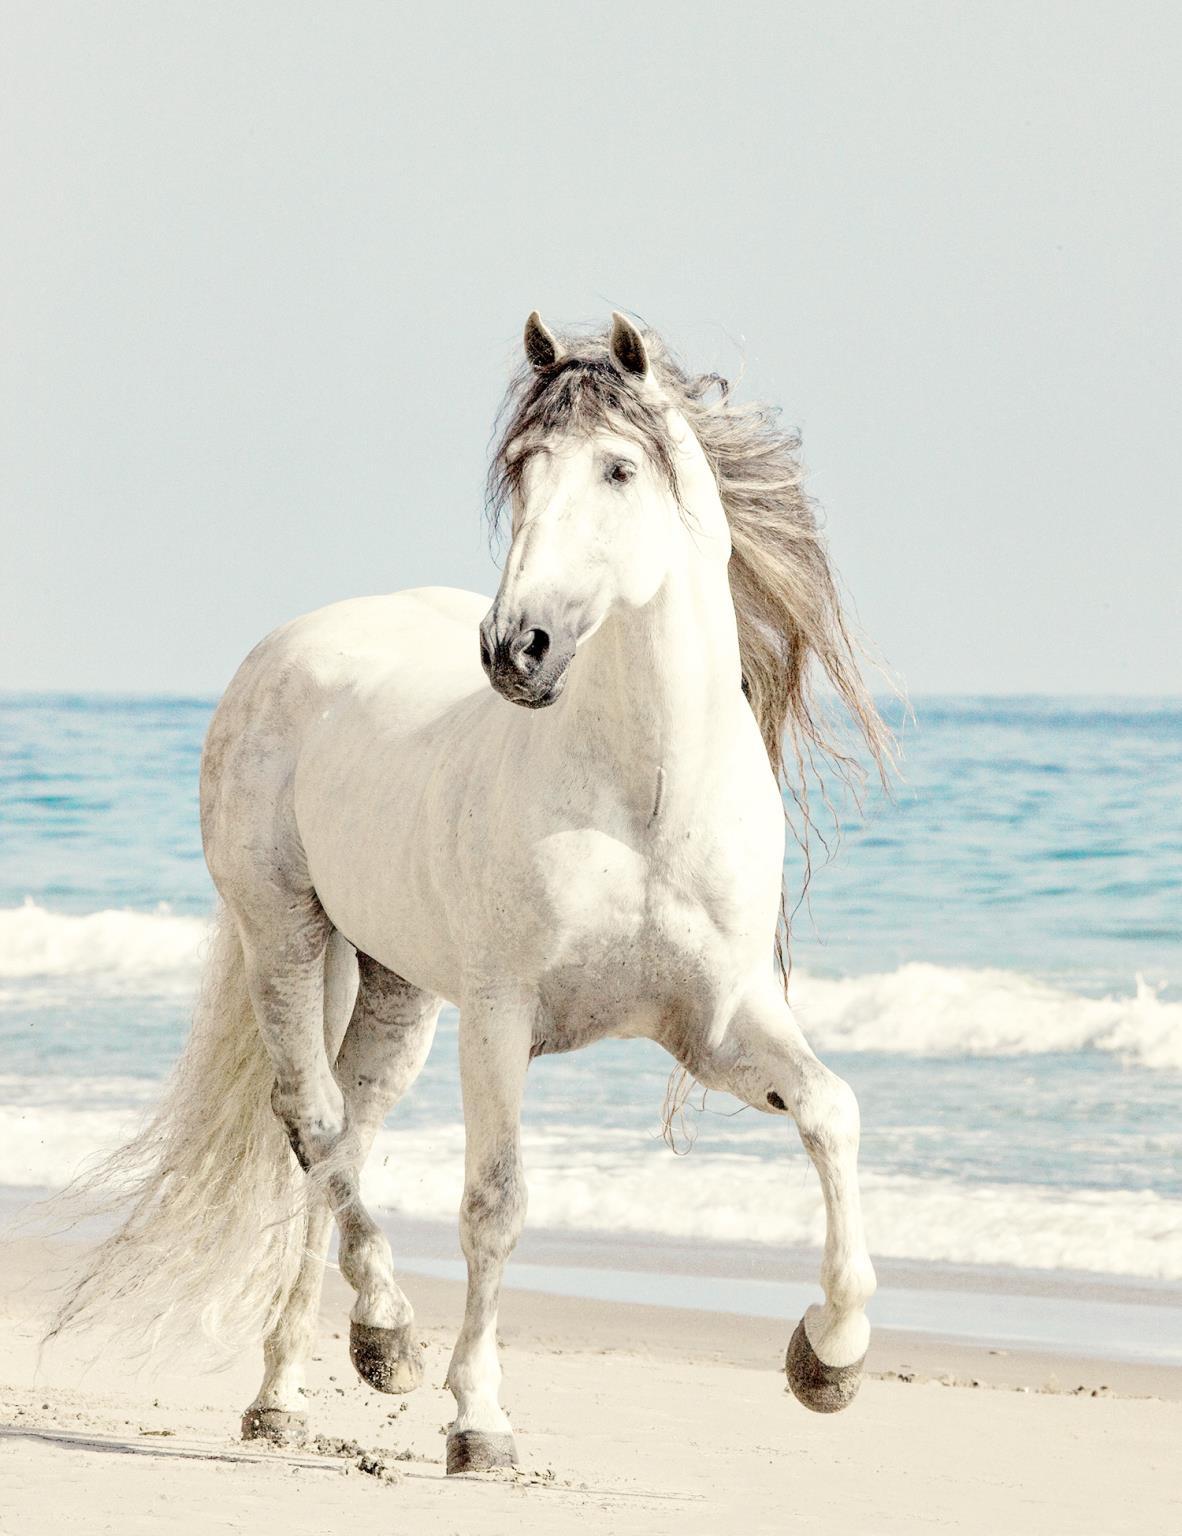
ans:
x=263 y=273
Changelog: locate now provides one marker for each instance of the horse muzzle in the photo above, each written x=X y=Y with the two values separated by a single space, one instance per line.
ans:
x=526 y=662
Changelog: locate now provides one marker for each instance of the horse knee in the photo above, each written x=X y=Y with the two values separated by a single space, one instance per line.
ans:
x=493 y=1210
x=827 y=1116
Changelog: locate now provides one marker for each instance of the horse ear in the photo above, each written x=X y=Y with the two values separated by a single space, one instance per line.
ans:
x=541 y=345
x=627 y=346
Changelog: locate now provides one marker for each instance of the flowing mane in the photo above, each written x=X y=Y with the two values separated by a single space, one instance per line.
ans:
x=793 y=634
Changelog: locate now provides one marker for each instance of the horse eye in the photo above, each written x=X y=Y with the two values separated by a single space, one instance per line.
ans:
x=621 y=472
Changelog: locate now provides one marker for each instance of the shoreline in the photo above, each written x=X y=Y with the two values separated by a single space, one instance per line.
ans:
x=673 y=1330
x=1044 y=1322
x=1131 y=1322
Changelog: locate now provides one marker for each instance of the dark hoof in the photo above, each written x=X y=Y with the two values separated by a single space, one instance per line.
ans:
x=471 y=1451
x=823 y=1388
x=388 y=1358
x=275 y=1425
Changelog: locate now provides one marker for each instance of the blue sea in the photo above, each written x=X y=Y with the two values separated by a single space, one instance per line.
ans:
x=992 y=956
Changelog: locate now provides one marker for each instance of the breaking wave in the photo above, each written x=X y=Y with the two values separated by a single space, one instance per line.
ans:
x=128 y=950
x=917 y=1010
x=934 y=1010
x=618 y=1182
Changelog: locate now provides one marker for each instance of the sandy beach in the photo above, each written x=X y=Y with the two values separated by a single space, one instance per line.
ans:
x=632 y=1418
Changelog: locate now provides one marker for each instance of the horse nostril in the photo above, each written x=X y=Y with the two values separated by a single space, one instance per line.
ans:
x=530 y=651
x=485 y=652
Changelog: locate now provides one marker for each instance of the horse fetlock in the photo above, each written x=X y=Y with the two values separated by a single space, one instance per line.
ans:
x=849 y=1286
x=838 y=1336
x=283 y=1381
x=474 y=1380
x=478 y=1407
x=382 y=1307
x=367 y=1266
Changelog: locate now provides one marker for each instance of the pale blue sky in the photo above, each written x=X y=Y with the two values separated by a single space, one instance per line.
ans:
x=263 y=270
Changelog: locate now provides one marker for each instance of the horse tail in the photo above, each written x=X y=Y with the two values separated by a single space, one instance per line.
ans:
x=211 y=1195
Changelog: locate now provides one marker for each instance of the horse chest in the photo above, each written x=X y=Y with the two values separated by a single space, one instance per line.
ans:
x=630 y=937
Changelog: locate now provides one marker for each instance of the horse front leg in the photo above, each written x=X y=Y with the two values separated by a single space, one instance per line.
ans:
x=496 y=1033
x=765 y=1060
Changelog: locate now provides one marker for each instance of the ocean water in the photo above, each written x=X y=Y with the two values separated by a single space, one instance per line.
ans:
x=992 y=957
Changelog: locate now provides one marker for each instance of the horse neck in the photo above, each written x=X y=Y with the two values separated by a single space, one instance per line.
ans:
x=654 y=687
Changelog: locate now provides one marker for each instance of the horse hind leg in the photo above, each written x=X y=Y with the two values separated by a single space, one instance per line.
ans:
x=331 y=1119
x=384 y=1049
x=277 y=1413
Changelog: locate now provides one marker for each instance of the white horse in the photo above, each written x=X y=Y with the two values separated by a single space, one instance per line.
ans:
x=593 y=846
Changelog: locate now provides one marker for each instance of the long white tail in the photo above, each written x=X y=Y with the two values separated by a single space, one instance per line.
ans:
x=213 y=1233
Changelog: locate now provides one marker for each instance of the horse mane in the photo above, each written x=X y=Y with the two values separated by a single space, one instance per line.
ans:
x=795 y=642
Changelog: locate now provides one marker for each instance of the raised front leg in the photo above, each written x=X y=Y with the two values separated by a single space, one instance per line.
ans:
x=765 y=1060
x=495 y=1037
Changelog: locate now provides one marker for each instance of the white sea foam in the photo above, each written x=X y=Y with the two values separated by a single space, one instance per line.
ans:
x=618 y=1182
x=933 y=1010
x=129 y=950
x=917 y=1010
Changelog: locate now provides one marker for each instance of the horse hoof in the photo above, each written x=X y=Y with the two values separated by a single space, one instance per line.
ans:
x=470 y=1450
x=388 y=1358
x=823 y=1388
x=275 y=1425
